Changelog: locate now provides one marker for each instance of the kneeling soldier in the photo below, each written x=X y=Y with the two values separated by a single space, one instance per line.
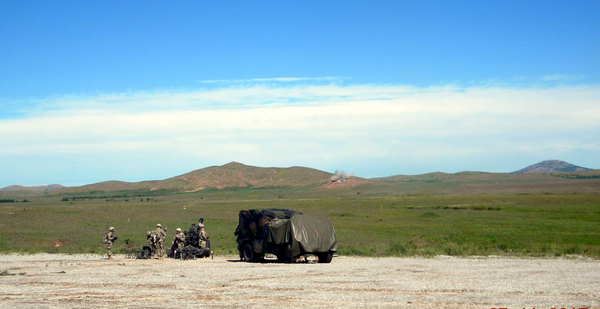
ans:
x=179 y=240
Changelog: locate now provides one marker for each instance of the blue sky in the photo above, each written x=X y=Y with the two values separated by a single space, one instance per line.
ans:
x=141 y=90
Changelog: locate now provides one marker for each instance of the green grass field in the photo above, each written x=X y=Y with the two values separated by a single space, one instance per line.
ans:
x=409 y=225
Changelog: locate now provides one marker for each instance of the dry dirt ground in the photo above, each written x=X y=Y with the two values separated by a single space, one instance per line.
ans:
x=92 y=281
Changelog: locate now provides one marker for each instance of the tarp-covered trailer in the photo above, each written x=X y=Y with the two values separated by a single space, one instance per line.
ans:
x=285 y=233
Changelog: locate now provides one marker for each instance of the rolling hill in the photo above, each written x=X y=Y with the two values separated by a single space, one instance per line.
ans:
x=231 y=175
x=237 y=175
x=23 y=190
x=544 y=176
x=551 y=166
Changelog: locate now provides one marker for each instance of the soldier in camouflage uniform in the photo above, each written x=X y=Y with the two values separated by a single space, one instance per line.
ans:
x=178 y=240
x=160 y=240
x=108 y=240
x=202 y=237
x=151 y=239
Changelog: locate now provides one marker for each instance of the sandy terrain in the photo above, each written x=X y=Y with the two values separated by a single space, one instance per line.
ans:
x=91 y=281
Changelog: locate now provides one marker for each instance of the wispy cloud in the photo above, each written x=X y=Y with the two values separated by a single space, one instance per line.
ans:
x=562 y=78
x=368 y=129
x=549 y=80
x=275 y=79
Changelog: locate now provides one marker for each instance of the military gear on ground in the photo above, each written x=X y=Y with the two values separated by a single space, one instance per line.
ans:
x=195 y=243
x=191 y=252
x=144 y=253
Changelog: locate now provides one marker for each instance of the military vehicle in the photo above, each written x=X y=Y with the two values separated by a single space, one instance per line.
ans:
x=286 y=234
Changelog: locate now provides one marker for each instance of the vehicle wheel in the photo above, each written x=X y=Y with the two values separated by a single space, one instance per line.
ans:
x=208 y=251
x=325 y=257
x=248 y=254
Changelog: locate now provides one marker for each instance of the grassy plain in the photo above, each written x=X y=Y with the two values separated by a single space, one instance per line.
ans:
x=368 y=225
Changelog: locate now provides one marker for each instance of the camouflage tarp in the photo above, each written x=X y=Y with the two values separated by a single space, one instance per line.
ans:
x=279 y=231
x=252 y=221
x=314 y=233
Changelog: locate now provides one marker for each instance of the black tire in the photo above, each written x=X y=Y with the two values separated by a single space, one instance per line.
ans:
x=248 y=253
x=325 y=257
x=206 y=254
x=208 y=251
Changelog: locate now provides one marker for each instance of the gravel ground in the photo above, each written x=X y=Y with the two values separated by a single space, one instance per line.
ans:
x=92 y=281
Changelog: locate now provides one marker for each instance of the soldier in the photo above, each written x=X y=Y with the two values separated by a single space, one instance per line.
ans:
x=202 y=237
x=151 y=239
x=108 y=240
x=178 y=240
x=160 y=240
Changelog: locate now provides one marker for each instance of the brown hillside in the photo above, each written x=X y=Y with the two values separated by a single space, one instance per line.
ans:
x=231 y=175
x=551 y=166
x=109 y=186
x=23 y=191
x=237 y=175
x=462 y=177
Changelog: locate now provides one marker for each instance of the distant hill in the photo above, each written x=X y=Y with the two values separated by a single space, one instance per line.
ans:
x=238 y=175
x=551 y=166
x=439 y=177
x=34 y=189
x=231 y=175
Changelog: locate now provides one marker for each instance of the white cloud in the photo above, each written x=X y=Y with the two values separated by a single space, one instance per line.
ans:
x=315 y=126
x=561 y=77
x=275 y=79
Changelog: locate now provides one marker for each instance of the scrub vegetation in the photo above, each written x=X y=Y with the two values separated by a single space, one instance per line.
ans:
x=366 y=225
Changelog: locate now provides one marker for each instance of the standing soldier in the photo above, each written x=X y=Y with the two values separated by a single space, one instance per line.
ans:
x=179 y=240
x=108 y=240
x=202 y=237
x=160 y=240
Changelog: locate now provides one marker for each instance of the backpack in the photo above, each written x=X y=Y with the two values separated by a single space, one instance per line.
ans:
x=105 y=239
